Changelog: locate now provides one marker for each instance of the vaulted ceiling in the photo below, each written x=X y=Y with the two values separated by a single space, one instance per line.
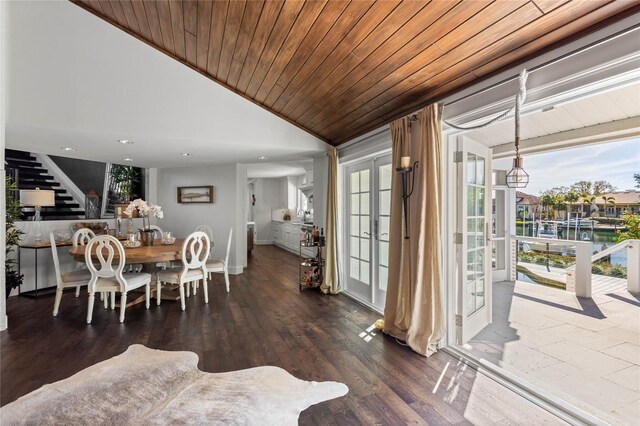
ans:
x=339 y=69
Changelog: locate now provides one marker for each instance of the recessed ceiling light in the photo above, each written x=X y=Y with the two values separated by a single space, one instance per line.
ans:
x=125 y=141
x=127 y=159
x=262 y=157
x=185 y=154
x=67 y=148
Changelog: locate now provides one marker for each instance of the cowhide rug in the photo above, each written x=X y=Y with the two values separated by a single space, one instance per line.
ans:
x=149 y=386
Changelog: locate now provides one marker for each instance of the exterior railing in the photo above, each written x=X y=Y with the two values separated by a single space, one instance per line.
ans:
x=579 y=279
x=632 y=248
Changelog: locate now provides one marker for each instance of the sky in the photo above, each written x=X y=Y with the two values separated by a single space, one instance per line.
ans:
x=615 y=162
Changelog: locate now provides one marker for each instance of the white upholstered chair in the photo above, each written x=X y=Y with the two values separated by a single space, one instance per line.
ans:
x=195 y=251
x=80 y=238
x=221 y=265
x=109 y=277
x=71 y=279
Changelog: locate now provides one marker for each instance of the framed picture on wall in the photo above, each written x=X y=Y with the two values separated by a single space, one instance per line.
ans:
x=195 y=194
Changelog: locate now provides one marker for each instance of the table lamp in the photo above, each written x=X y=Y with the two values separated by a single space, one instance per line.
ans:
x=37 y=198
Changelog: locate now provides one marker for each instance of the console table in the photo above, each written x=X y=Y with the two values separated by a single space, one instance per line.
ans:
x=37 y=247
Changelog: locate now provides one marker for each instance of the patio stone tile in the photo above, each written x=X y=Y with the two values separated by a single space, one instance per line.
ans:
x=629 y=378
x=580 y=320
x=625 y=333
x=594 y=363
x=533 y=337
x=629 y=319
x=625 y=351
x=588 y=338
x=627 y=414
x=595 y=395
x=526 y=359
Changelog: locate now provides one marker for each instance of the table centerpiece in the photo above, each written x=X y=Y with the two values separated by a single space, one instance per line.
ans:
x=145 y=211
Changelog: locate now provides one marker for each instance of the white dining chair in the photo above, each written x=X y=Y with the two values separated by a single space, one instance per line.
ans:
x=221 y=265
x=195 y=251
x=80 y=238
x=157 y=232
x=106 y=278
x=207 y=230
x=71 y=279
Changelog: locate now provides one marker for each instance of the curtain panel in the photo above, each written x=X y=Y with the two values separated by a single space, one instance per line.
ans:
x=331 y=282
x=413 y=308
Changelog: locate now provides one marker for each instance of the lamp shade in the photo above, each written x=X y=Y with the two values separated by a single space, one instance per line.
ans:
x=37 y=197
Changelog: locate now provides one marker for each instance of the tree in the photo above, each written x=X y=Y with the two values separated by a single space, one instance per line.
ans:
x=583 y=187
x=608 y=200
x=636 y=177
x=547 y=201
x=590 y=201
x=632 y=223
x=571 y=197
x=602 y=187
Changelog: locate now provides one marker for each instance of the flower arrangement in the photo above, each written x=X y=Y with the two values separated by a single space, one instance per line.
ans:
x=145 y=211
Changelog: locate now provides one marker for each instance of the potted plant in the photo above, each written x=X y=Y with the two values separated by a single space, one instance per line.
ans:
x=123 y=179
x=145 y=211
x=12 y=278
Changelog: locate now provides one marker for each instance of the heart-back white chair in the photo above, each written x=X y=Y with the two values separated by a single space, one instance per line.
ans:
x=207 y=230
x=71 y=279
x=109 y=277
x=80 y=238
x=195 y=251
x=221 y=265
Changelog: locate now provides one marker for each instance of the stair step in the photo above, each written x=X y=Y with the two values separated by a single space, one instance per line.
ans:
x=35 y=177
x=18 y=155
x=22 y=163
x=45 y=185
x=31 y=170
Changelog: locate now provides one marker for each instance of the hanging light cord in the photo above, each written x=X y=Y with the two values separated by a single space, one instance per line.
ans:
x=520 y=97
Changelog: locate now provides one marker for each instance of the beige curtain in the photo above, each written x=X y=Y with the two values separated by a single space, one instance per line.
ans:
x=331 y=282
x=413 y=309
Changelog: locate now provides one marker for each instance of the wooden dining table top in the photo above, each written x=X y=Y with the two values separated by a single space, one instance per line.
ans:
x=155 y=253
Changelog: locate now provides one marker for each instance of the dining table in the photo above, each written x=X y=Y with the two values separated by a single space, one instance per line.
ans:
x=149 y=257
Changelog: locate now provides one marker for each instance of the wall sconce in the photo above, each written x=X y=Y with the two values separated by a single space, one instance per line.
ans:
x=405 y=170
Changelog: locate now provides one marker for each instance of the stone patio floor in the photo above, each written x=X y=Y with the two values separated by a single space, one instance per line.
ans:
x=585 y=351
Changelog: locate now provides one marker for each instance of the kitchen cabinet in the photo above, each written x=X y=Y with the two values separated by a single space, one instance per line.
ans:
x=306 y=179
x=288 y=236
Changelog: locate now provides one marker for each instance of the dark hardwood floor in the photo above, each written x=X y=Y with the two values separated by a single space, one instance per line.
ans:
x=264 y=320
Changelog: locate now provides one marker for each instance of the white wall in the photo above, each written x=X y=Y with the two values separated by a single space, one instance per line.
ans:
x=268 y=197
x=3 y=50
x=320 y=164
x=223 y=214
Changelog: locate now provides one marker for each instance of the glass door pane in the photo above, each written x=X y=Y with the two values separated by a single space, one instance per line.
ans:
x=475 y=215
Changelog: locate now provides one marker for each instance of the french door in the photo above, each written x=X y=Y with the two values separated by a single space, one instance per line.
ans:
x=474 y=217
x=368 y=208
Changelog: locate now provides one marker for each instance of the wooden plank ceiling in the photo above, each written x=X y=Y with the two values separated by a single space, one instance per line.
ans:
x=339 y=69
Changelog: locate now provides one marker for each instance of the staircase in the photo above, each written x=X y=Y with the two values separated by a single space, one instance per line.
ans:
x=31 y=174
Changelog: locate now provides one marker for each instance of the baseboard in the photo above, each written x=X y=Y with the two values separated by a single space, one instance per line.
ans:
x=235 y=270
x=263 y=242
